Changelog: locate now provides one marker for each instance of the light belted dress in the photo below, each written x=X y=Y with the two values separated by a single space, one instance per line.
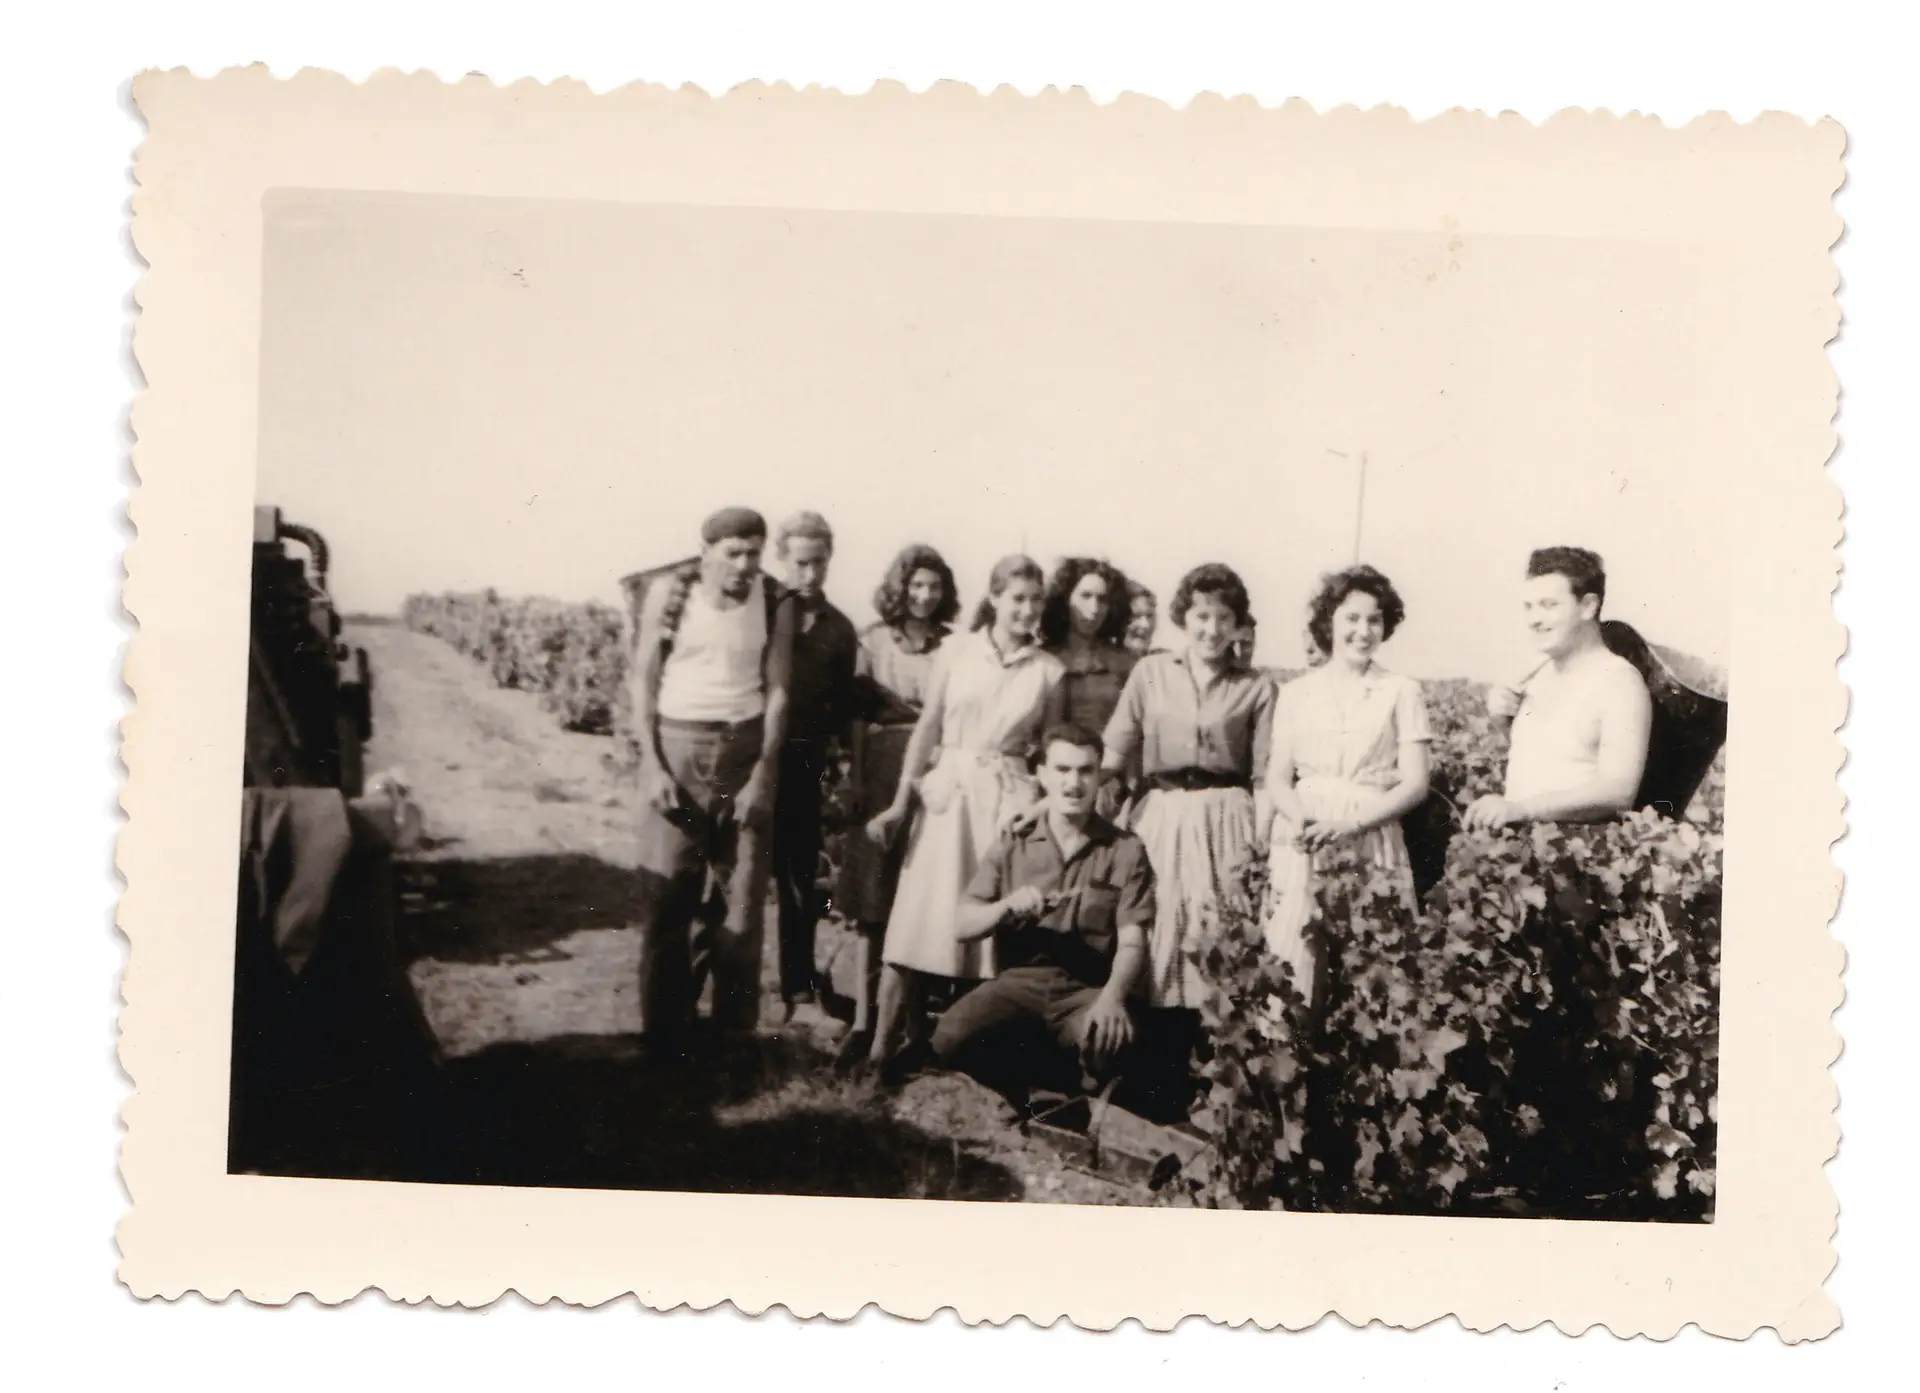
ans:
x=1344 y=737
x=992 y=708
x=1198 y=743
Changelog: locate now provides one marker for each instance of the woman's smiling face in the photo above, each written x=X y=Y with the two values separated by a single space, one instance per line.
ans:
x=1018 y=607
x=1359 y=628
x=1211 y=626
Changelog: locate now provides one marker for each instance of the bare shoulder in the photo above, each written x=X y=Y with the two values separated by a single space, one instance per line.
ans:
x=1619 y=683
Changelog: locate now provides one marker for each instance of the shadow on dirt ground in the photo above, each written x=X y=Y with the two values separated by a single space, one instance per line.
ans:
x=552 y=1092
x=481 y=911
x=579 y=1111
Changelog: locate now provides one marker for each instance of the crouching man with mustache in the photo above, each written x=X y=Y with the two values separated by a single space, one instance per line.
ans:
x=1068 y=897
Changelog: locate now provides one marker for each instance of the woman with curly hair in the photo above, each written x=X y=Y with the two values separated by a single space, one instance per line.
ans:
x=1349 y=759
x=917 y=602
x=989 y=696
x=1194 y=722
x=1084 y=624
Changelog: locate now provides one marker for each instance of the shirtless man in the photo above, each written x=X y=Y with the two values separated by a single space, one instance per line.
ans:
x=1581 y=718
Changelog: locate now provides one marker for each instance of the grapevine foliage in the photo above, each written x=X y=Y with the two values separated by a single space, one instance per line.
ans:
x=573 y=655
x=1538 y=1038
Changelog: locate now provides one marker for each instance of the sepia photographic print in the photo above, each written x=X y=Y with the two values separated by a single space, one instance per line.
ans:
x=765 y=693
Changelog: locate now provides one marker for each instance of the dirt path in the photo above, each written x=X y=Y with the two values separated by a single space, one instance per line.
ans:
x=518 y=920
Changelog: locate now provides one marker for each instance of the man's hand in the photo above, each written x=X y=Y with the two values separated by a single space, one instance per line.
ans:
x=755 y=803
x=656 y=786
x=1021 y=818
x=1491 y=811
x=1027 y=902
x=1503 y=701
x=1107 y=1031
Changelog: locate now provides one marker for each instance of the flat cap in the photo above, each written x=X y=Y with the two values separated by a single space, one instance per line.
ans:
x=729 y=523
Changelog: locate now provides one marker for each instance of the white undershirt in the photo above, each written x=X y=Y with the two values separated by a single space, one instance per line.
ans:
x=1557 y=733
x=713 y=672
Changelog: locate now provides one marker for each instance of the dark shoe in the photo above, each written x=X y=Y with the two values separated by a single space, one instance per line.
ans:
x=853 y=1051
x=905 y=1064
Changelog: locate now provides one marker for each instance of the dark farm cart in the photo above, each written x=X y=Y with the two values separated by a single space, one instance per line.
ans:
x=333 y=1069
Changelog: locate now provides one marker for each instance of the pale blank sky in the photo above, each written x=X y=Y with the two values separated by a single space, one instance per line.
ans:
x=542 y=396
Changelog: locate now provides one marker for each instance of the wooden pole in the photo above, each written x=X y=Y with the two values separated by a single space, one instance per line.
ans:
x=1360 y=508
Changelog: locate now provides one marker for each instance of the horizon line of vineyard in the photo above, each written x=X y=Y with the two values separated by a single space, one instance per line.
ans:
x=1708 y=677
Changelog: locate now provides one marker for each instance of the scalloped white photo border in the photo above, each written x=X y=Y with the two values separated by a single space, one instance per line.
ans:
x=1763 y=190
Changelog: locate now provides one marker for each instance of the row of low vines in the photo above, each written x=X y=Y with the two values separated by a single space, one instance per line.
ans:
x=572 y=655
x=1538 y=1036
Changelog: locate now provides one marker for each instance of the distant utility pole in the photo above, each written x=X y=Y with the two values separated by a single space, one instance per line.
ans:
x=1360 y=508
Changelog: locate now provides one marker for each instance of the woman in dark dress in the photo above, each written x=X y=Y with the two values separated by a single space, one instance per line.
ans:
x=1084 y=623
x=917 y=604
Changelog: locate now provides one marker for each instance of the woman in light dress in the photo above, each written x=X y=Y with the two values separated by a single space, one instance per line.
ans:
x=917 y=604
x=991 y=694
x=1194 y=723
x=1349 y=759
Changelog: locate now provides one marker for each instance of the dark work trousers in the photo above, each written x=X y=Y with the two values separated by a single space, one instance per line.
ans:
x=1023 y=1029
x=703 y=879
x=797 y=840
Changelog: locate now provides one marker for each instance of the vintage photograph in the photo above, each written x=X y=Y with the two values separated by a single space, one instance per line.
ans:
x=917 y=706
x=942 y=700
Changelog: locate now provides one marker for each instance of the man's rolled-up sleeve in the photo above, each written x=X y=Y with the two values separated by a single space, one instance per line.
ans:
x=1136 y=888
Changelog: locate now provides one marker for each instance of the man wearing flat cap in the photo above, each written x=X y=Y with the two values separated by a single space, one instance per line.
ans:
x=709 y=687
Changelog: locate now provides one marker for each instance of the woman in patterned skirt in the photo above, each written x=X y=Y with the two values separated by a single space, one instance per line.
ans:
x=1195 y=723
x=917 y=604
x=1349 y=760
x=990 y=695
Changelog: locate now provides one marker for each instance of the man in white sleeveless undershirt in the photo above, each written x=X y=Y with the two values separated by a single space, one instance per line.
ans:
x=709 y=687
x=1581 y=719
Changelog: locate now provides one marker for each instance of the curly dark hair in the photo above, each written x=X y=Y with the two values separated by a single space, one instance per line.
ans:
x=1006 y=571
x=1333 y=592
x=1586 y=573
x=1222 y=582
x=1056 y=613
x=890 y=600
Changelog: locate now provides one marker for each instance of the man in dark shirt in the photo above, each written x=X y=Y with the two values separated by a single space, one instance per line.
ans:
x=1068 y=897
x=821 y=712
